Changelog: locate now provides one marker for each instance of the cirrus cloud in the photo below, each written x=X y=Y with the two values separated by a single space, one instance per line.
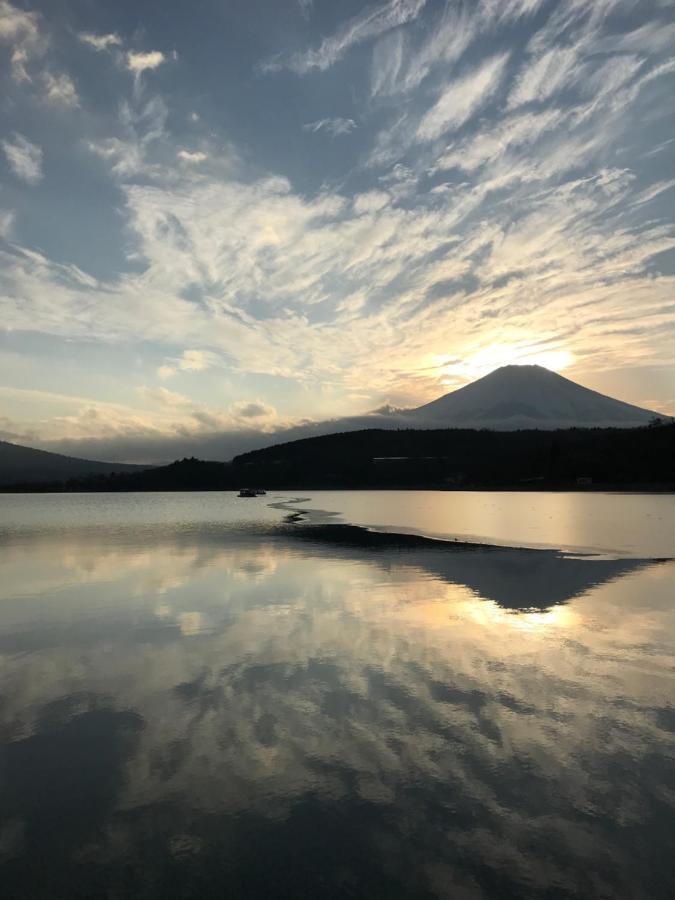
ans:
x=24 y=158
x=334 y=127
x=100 y=41
x=189 y=361
x=366 y=25
x=22 y=30
x=460 y=99
x=60 y=89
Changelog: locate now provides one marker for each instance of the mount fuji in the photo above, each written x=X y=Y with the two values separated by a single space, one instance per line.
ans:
x=526 y=397
x=511 y=398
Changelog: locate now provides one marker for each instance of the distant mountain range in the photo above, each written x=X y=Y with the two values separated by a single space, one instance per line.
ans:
x=511 y=398
x=26 y=465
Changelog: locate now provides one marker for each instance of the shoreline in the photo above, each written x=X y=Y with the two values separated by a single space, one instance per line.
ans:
x=364 y=536
x=613 y=488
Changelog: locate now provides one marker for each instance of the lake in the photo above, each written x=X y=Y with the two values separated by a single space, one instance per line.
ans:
x=200 y=697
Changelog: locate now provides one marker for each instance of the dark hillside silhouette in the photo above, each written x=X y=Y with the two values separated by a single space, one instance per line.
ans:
x=457 y=458
x=573 y=458
x=25 y=465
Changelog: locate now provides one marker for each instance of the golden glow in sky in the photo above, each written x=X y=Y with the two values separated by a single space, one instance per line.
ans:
x=492 y=357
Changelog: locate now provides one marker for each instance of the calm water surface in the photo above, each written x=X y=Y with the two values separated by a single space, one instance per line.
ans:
x=196 y=704
x=618 y=524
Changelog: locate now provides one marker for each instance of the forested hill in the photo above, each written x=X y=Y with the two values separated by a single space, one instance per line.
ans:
x=25 y=465
x=417 y=459
x=470 y=458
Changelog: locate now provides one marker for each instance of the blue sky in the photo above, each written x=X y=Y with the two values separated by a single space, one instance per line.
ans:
x=225 y=216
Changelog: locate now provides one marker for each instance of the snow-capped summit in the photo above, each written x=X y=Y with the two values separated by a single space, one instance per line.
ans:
x=515 y=397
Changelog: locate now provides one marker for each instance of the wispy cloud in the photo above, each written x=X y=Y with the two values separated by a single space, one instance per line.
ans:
x=367 y=25
x=142 y=126
x=163 y=397
x=541 y=79
x=652 y=37
x=161 y=416
x=462 y=98
x=22 y=31
x=446 y=44
x=7 y=217
x=489 y=144
x=24 y=158
x=560 y=248
x=189 y=361
x=503 y=11
x=400 y=65
x=334 y=127
x=371 y=202
x=60 y=89
x=16 y=23
x=306 y=7
x=654 y=190
x=139 y=62
x=100 y=41
x=388 y=56
x=194 y=157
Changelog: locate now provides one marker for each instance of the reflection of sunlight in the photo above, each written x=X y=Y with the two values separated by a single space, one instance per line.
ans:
x=489 y=613
x=419 y=606
x=556 y=617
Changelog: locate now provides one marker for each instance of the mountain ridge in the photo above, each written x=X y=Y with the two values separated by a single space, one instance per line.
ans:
x=19 y=464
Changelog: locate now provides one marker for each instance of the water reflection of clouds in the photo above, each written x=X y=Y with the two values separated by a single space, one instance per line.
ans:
x=467 y=730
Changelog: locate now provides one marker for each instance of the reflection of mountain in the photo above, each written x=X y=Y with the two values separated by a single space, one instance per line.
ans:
x=513 y=578
x=521 y=579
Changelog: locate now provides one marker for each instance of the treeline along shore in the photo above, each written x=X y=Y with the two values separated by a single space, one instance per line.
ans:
x=637 y=458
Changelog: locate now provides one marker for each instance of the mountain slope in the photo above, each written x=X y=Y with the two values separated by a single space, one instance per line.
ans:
x=24 y=464
x=520 y=397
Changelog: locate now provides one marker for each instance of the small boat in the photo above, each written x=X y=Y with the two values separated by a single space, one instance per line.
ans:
x=248 y=492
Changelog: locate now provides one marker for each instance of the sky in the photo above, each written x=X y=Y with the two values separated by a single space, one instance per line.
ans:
x=227 y=217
